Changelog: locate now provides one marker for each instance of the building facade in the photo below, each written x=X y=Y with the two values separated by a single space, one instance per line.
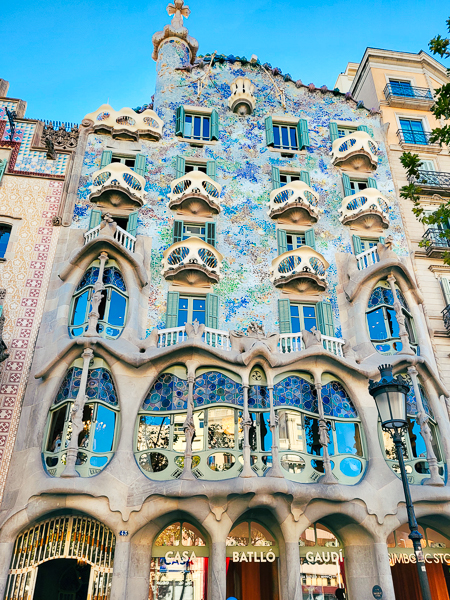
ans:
x=197 y=422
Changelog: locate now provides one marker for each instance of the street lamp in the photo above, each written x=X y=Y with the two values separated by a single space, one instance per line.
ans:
x=390 y=397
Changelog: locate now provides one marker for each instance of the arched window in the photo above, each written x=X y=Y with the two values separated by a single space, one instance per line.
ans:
x=295 y=400
x=382 y=320
x=5 y=233
x=415 y=452
x=112 y=308
x=97 y=440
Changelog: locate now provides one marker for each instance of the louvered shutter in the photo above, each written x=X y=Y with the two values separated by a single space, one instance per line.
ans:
x=180 y=167
x=372 y=183
x=303 y=134
x=334 y=133
x=179 y=124
x=106 y=158
x=211 y=169
x=363 y=128
x=357 y=246
x=276 y=183
x=304 y=176
x=346 y=183
x=284 y=315
x=178 y=227
x=310 y=238
x=172 y=309
x=3 y=164
x=214 y=125
x=132 y=223
x=211 y=234
x=212 y=311
x=140 y=165
x=269 y=131
x=282 y=241
x=95 y=218
x=445 y=284
x=324 y=315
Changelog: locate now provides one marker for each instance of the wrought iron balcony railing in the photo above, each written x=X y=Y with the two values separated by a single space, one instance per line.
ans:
x=116 y=185
x=407 y=91
x=434 y=179
x=437 y=237
x=301 y=270
x=446 y=317
x=421 y=138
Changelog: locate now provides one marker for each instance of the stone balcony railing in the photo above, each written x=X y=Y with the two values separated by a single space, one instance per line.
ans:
x=367 y=208
x=367 y=258
x=356 y=151
x=117 y=186
x=300 y=271
x=126 y=124
x=192 y=262
x=195 y=193
x=293 y=342
x=121 y=236
x=294 y=203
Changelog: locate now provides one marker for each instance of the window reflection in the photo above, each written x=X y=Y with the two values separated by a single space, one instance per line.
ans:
x=221 y=425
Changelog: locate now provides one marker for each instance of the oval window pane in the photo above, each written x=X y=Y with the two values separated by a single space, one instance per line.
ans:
x=221 y=461
x=104 y=429
x=351 y=467
x=293 y=463
x=153 y=462
x=51 y=461
x=117 y=308
x=98 y=461
x=79 y=309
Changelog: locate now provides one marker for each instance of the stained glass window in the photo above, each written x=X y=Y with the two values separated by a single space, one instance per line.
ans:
x=213 y=387
x=169 y=392
x=295 y=391
x=99 y=386
x=336 y=402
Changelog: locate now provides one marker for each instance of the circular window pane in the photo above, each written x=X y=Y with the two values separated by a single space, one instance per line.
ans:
x=98 y=461
x=293 y=463
x=221 y=461
x=422 y=467
x=51 y=461
x=154 y=462
x=351 y=467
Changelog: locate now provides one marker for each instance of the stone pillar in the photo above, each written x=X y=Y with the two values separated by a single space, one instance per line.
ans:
x=275 y=470
x=97 y=296
x=217 y=585
x=294 y=584
x=384 y=570
x=77 y=417
x=406 y=348
x=6 y=550
x=425 y=430
x=324 y=438
x=121 y=566
x=247 y=471
x=189 y=431
x=367 y=565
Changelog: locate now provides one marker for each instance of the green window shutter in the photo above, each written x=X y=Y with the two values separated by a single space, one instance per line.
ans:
x=212 y=311
x=178 y=227
x=3 y=164
x=211 y=169
x=1 y=311
x=132 y=222
x=282 y=241
x=363 y=128
x=140 y=165
x=371 y=182
x=324 y=315
x=357 y=246
x=310 y=238
x=95 y=218
x=214 y=125
x=381 y=240
x=445 y=283
x=211 y=234
x=276 y=183
x=346 y=183
x=304 y=176
x=172 y=309
x=284 y=315
x=179 y=123
x=180 y=167
x=106 y=158
x=334 y=134
x=302 y=134
x=269 y=131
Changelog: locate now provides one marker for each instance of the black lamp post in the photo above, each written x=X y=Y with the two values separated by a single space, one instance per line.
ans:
x=390 y=397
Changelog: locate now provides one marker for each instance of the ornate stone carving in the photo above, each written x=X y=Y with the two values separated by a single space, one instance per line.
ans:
x=255 y=335
x=176 y=29
x=312 y=338
x=59 y=139
x=56 y=221
x=195 y=330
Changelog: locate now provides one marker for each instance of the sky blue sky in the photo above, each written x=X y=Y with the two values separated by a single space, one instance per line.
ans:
x=65 y=59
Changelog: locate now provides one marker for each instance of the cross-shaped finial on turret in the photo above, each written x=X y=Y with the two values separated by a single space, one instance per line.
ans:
x=178 y=11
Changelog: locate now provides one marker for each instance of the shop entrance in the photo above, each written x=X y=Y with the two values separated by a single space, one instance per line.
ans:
x=62 y=579
x=252 y=563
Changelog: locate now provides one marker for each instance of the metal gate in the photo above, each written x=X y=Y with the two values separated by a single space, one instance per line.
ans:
x=81 y=538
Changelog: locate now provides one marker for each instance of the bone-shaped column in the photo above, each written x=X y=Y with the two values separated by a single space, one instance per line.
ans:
x=97 y=296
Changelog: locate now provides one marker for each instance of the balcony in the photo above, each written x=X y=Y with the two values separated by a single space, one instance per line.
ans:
x=367 y=258
x=295 y=203
x=242 y=100
x=417 y=140
x=192 y=262
x=195 y=194
x=356 y=151
x=126 y=124
x=368 y=209
x=300 y=271
x=116 y=187
x=408 y=96
x=432 y=182
x=121 y=236
x=437 y=242
x=293 y=342
x=446 y=317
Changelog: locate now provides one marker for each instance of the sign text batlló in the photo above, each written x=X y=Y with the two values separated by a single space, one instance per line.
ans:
x=254 y=556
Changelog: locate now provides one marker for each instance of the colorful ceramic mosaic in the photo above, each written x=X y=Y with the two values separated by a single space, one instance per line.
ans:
x=382 y=295
x=100 y=386
x=295 y=391
x=111 y=276
x=336 y=402
x=214 y=387
x=169 y=392
x=411 y=402
x=258 y=397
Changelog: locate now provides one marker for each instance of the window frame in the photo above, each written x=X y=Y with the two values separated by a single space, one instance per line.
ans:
x=301 y=317
x=10 y=227
x=122 y=158
x=190 y=310
x=279 y=125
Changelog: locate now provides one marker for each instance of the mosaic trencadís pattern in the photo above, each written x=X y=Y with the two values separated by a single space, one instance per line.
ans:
x=99 y=386
x=258 y=397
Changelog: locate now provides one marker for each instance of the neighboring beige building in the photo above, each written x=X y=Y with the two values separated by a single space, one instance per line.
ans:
x=401 y=86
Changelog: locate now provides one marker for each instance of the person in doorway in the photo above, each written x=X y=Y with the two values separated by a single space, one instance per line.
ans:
x=340 y=594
